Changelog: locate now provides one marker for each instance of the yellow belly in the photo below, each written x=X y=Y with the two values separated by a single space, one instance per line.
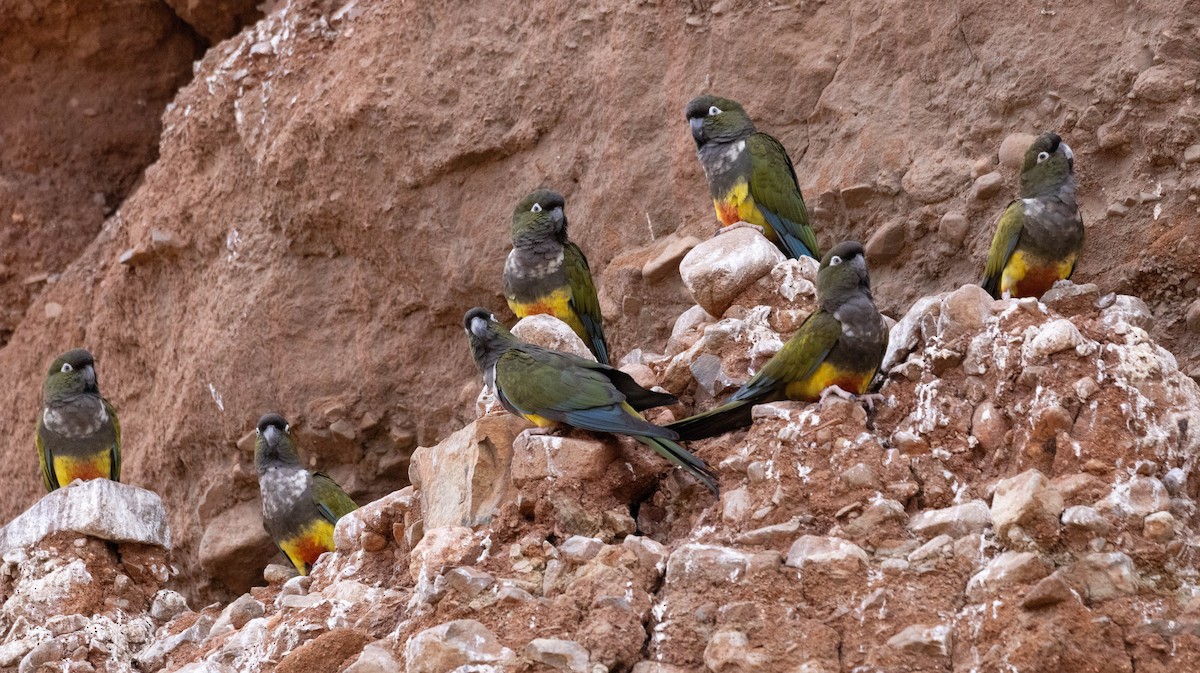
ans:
x=738 y=206
x=826 y=375
x=1028 y=276
x=539 y=421
x=306 y=547
x=557 y=304
x=67 y=469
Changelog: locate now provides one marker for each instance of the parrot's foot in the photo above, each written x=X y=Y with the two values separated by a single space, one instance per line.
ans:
x=868 y=400
x=740 y=225
x=552 y=431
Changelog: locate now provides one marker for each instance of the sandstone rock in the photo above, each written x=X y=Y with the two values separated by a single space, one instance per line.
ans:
x=446 y=647
x=99 y=508
x=830 y=554
x=167 y=605
x=1055 y=337
x=886 y=242
x=719 y=269
x=469 y=581
x=986 y=186
x=730 y=650
x=952 y=229
x=153 y=657
x=930 y=549
x=462 y=480
x=934 y=640
x=1137 y=497
x=1049 y=591
x=687 y=329
x=236 y=614
x=958 y=520
x=935 y=177
x=550 y=332
x=1102 y=576
x=561 y=655
x=441 y=549
x=1006 y=570
x=1192 y=316
x=1013 y=148
x=1159 y=527
x=375 y=658
x=235 y=547
x=667 y=260
x=989 y=426
x=580 y=549
x=1120 y=308
x=1087 y=519
x=1027 y=501
x=770 y=535
x=538 y=457
x=1160 y=84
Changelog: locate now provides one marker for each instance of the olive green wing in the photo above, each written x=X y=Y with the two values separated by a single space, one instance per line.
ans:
x=330 y=499
x=1008 y=232
x=798 y=358
x=776 y=192
x=116 y=447
x=584 y=301
x=563 y=388
x=45 y=461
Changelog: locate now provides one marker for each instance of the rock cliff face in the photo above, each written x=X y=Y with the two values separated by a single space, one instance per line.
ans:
x=1023 y=496
x=302 y=224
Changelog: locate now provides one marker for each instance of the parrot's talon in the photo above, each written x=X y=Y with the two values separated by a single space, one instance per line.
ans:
x=868 y=400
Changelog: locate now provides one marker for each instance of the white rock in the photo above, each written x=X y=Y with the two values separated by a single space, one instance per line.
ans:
x=1006 y=570
x=719 y=269
x=1086 y=518
x=1159 y=526
x=820 y=550
x=959 y=520
x=98 y=508
x=1053 y=337
x=463 y=642
x=580 y=549
x=376 y=657
x=550 y=332
x=561 y=655
x=933 y=640
x=1026 y=500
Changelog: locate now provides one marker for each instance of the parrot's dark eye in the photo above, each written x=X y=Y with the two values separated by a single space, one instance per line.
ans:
x=287 y=428
x=258 y=432
x=67 y=367
x=835 y=260
x=714 y=111
x=1042 y=156
x=537 y=208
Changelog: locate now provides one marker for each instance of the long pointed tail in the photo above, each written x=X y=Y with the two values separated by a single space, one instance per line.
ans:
x=681 y=457
x=724 y=418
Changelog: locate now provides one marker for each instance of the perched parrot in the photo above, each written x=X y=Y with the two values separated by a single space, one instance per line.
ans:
x=78 y=436
x=547 y=273
x=548 y=387
x=838 y=349
x=1039 y=236
x=299 y=507
x=750 y=176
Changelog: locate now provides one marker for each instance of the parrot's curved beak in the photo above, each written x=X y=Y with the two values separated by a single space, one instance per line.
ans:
x=271 y=434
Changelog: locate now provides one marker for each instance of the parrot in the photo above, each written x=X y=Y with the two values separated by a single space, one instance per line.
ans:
x=750 y=176
x=78 y=435
x=547 y=387
x=837 y=349
x=1040 y=234
x=299 y=507
x=547 y=273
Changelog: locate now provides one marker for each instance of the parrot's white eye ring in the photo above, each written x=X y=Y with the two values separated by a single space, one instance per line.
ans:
x=258 y=432
x=1042 y=156
x=537 y=208
x=714 y=111
x=835 y=260
x=287 y=428
x=67 y=367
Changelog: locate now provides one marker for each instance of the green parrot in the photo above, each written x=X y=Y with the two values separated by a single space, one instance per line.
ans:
x=547 y=273
x=838 y=349
x=78 y=436
x=547 y=387
x=750 y=176
x=299 y=507
x=1039 y=236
